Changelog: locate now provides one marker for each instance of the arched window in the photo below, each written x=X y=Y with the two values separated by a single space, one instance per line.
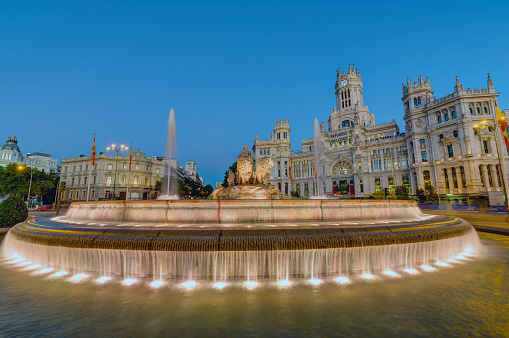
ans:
x=341 y=167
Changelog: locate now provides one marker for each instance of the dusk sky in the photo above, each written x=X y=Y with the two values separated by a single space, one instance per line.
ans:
x=70 y=69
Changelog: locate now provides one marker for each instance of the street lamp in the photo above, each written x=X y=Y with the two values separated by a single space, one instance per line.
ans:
x=485 y=124
x=117 y=150
x=30 y=185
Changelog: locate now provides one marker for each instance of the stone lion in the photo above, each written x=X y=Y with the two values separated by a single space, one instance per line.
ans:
x=262 y=170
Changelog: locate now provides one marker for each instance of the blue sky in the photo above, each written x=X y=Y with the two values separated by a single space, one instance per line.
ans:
x=115 y=68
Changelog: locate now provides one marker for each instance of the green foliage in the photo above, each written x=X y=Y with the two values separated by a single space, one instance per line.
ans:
x=294 y=194
x=427 y=195
x=13 y=210
x=402 y=192
x=16 y=182
x=233 y=168
x=158 y=185
x=190 y=189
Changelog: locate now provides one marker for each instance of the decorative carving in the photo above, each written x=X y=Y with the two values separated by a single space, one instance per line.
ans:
x=408 y=126
x=419 y=123
x=231 y=178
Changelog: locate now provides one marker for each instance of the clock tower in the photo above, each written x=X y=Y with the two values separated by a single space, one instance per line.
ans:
x=351 y=112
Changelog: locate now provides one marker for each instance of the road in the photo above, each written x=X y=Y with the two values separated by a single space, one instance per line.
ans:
x=486 y=222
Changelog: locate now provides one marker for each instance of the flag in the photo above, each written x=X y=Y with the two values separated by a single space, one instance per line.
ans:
x=92 y=158
x=290 y=168
x=130 y=156
x=502 y=122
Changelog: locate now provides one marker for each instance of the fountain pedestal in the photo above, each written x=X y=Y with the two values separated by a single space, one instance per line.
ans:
x=249 y=192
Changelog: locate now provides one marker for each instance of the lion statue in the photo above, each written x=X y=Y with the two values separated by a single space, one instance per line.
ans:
x=262 y=170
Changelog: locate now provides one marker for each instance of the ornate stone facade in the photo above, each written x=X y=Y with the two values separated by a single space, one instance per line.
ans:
x=361 y=157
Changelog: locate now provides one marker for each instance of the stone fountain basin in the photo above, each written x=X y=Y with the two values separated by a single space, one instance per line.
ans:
x=240 y=211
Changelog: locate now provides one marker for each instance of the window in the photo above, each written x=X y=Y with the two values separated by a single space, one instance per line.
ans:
x=125 y=166
x=463 y=177
x=136 y=167
x=446 y=116
x=446 y=176
x=439 y=118
x=424 y=156
x=85 y=180
x=268 y=152
x=261 y=152
x=108 y=180
x=485 y=110
x=157 y=171
x=453 y=114
x=419 y=101
x=470 y=111
x=485 y=146
x=110 y=166
x=72 y=181
x=455 y=133
x=450 y=150
x=454 y=178
x=441 y=136
x=135 y=180
x=422 y=141
x=477 y=110
x=146 y=180
x=481 y=175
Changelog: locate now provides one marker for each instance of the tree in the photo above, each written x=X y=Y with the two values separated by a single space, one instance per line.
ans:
x=294 y=194
x=13 y=210
x=233 y=168
x=402 y=192
x=427 y=195
x=16 y=182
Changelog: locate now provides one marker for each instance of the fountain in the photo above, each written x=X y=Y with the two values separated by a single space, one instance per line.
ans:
x=169 y=187
x=247 y=234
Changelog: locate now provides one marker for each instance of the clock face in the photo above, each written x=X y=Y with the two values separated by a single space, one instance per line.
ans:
x=344 y=82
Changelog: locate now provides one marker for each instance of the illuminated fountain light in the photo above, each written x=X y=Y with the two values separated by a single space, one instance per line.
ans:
x=427 y=268
x=129 y=281
x=251 y=285
x=284 y=283
x=103 y=280
x=17 y=260
x=160 y=225
x=78 y=278
x=443 y=264
x=189 y=285
x=156 y=284
x=219 y=285
x=411 y=271
x=24 y=263
x=31 y=267
x=452 y=260
x=342 y=280
x=43 y=271
x=59 y=274
x=101 y=225
x=461 y=258
x=390 y=273
x=139 y=225
x=315 y=281
x=367 y=276
x=468 y=252
x=91 y=223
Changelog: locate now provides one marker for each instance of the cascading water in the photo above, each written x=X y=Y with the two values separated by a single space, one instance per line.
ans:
x=170 y=188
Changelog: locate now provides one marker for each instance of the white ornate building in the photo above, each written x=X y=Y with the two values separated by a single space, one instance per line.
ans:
x=110 y=174
x=360 y=157
x=10 y=153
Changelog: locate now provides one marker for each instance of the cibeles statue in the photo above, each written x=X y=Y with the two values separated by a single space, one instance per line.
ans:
x=249 y=182
x=244 y=166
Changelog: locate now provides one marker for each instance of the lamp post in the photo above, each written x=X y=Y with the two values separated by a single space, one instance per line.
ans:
x=486 y=124
x=30 y=185
x=117 y=150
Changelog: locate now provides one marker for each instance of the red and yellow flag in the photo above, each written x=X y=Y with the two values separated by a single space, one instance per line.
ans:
x=130 y=156
x=290 y=168
x=502 y=122
x=92 y=158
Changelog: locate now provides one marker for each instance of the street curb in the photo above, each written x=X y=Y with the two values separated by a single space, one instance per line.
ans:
x=491 y=230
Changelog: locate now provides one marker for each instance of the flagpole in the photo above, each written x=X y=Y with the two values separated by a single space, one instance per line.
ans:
x=500 y=153
x=129 y=173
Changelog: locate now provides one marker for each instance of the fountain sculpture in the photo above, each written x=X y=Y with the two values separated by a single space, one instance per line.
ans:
x=249 y=233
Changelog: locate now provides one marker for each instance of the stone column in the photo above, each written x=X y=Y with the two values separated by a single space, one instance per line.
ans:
x=485 y=176
x=494 y=176
x=451 y=182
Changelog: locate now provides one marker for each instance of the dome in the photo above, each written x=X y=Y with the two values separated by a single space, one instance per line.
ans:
x=11 y=144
